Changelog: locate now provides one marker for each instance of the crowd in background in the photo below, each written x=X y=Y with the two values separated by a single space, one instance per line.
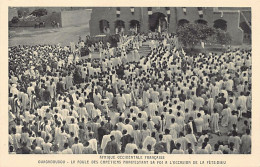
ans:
x=166 y=102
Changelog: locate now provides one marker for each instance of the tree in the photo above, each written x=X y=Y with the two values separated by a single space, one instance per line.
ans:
x=15 y=20
x=39 y=12
x=22 y=12
x=222 y=37
x=191 y=34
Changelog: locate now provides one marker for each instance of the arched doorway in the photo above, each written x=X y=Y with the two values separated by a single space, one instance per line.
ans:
x=247 y=32
x=134 y=26
x=119 y=26
x=104 y=26
x=220 y=24
x=157 y=22
x=182 y=22
x=244 y=26
x=201 y=21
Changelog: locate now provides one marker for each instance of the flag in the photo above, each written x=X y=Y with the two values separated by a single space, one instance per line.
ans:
x=221 y=14
x=184 y=9
x=150 y=12
x=118 y=12
x=168 y=11
x=200 y=11
x=132 y=9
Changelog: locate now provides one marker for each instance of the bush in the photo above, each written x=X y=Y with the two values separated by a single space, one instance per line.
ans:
x=15 y=20
x=39 y=12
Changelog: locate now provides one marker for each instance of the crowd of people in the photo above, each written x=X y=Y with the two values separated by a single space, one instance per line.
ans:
x=166 y=102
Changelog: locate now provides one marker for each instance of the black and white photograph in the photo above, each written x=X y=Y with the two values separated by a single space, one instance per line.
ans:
x=129 y=80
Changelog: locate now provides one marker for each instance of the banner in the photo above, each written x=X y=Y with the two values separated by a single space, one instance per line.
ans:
x=132 y=9
x=118 y=12
x=150 y=11
x=200 y=11
x=184 y=9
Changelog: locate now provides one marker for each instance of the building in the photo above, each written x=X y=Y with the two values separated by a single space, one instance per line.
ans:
x=111 y=20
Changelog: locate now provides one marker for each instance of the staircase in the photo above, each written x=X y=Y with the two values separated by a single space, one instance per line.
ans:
x=144 y=50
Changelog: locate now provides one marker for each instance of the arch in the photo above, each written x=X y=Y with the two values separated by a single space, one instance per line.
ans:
x=220 y=24
x=134 y=25
x=245 y=27
x=201 y=21
x=104 y=26
x=182 y=22
x=157 y=19
x=119 y=26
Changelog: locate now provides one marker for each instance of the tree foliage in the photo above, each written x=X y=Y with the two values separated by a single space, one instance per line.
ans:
x=39 y=12
x=22 y=12
x=15 y=20
x=222 y=37
x=191 y=34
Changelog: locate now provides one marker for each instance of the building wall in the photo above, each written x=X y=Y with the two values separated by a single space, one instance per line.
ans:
x=233 y=20
x=232 y=17
x=75 y=17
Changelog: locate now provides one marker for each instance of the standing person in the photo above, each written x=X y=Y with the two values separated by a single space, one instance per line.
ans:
x=206 y=120
x=199 y=124
x=202 y=149
x=235 y=140
x=87 y=149
x=214 y=121
x=178 y=149
x=77 y=147
x=137 y=135
x=150 y=140
x=216 y=149
x=130 y=146
x=47 y=146
x=191 y=138
x=246 y=143
x=167 y=138
x=121 y=103
x=112 y=146
x=126 y=138
x=183 y=141
x=93 y=143
x=225 y=116
x=60 y=87
x=117 y=135
x=233 y=119
x=101 y=132
x=66 y=150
